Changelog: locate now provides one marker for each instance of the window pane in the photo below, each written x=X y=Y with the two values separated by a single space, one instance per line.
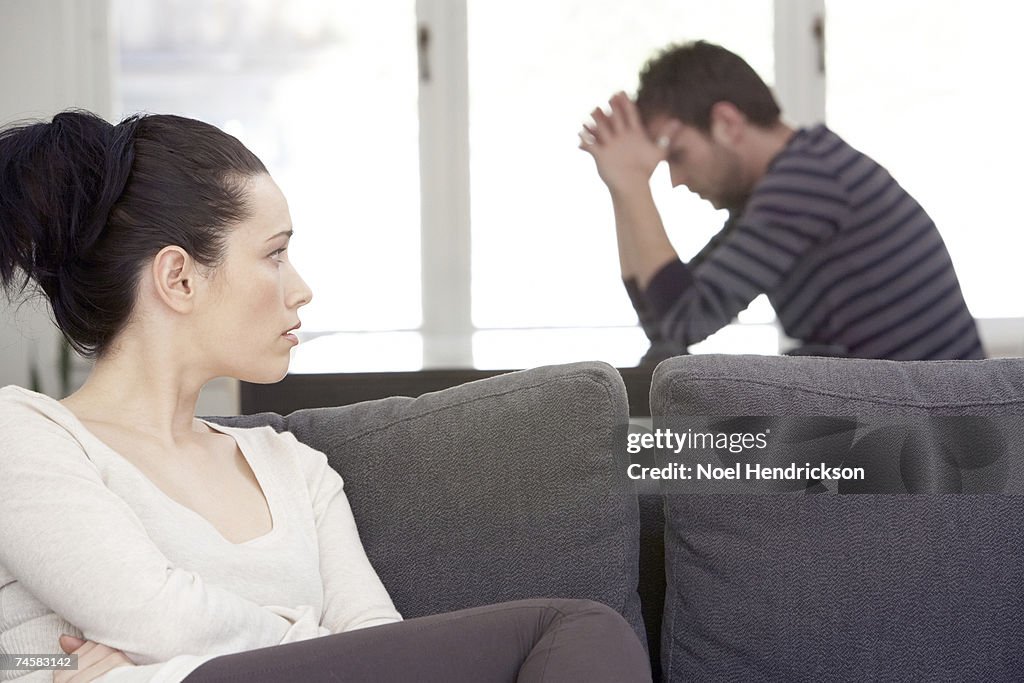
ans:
x=325 y=93
x=930 y=104
x=542 y=228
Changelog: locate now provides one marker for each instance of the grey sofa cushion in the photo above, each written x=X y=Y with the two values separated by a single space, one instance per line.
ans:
x=843 y=587
x=494 y=490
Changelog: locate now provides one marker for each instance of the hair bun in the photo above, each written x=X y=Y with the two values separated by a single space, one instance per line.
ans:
x=99 y=157
x=60 y=181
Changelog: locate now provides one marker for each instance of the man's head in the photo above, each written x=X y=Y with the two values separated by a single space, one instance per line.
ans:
x=706 y=105
x=686 y=81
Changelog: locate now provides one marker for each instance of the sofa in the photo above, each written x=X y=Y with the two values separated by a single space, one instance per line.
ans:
x=495 y=490
x=513 y=487
x=914 y=575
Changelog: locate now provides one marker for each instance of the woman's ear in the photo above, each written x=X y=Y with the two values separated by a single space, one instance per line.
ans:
x=175 y=277
x=728 y=124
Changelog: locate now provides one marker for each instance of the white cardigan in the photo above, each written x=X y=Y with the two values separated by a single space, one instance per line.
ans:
x=91 y=547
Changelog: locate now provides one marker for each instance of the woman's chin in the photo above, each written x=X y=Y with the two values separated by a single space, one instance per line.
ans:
x=269 y=374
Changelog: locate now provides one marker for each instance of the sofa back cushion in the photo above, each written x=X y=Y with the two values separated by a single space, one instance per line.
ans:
x=848 y=587
x=495 y=490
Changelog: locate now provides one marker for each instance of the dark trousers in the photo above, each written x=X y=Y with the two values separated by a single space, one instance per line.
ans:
x=525 y=640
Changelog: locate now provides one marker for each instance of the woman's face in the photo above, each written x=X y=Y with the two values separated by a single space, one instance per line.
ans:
x=255 y=294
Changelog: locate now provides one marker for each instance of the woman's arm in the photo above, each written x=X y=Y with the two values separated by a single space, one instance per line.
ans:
x=81 y=551
x=354 y=596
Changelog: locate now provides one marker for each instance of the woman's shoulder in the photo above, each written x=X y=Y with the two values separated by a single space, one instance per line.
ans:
x=278 y=445
x=36 y=426
x=265 y=434
x=262 y=436
x=287 y=457
x=13 y=392
x=18 y=404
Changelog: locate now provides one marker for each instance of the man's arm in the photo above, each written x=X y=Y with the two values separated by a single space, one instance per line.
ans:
x=625 y=159
x=752 y=254
x=638 y=225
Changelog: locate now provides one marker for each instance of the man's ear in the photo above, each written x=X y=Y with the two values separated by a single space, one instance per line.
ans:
x=175 y=278
x=728 y=124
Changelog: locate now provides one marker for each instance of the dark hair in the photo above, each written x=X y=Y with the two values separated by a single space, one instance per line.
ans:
x=84 y=204
x=686 y=81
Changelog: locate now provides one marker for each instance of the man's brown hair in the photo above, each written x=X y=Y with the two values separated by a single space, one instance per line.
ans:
x=685 y=81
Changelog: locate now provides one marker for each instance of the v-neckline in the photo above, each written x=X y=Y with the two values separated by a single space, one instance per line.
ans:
x=260 y=480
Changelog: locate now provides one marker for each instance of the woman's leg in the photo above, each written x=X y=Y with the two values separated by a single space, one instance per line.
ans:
x=523 y=641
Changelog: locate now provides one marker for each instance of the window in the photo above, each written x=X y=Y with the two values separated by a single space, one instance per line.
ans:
x=543 y=236
x=325 y=94
x=925 y=89
x=347 y=156
x=444 y=191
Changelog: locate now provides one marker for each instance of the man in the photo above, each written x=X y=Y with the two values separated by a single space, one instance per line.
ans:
x=851 y=263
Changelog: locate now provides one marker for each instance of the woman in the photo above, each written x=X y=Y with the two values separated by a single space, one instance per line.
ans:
x=158 y=542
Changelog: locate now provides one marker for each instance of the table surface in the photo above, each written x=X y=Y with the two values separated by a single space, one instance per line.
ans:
x=333 y=369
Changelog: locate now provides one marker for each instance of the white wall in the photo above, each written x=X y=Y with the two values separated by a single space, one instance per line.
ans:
x=54 y=54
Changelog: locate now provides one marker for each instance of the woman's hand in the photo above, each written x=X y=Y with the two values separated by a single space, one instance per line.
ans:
x=94 y=660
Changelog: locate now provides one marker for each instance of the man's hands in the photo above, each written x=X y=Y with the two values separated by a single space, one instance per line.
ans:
x=94 y=660
x=624 y=155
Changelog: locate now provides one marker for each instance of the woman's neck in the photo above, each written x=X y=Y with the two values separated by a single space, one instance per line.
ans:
x=158 y=398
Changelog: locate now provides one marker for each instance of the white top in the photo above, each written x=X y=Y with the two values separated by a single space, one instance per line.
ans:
x=91 y=547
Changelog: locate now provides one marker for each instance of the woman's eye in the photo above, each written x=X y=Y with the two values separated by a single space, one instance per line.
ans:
x=278 y=252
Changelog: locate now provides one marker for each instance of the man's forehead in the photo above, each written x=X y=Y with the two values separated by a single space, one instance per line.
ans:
x=663 y=125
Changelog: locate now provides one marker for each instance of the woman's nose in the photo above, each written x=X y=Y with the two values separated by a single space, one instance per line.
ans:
x=301 y=294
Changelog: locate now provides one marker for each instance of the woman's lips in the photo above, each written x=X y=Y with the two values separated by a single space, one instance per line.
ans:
x=290 y=334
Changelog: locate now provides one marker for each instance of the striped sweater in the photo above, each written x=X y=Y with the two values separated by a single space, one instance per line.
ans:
x=846 y=256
